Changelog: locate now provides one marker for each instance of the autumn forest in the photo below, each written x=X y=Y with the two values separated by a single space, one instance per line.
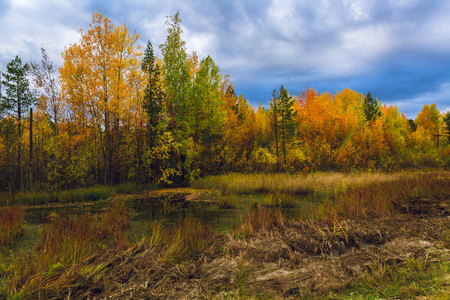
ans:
x=114 y=112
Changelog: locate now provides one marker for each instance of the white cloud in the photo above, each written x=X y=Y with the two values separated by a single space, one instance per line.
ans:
x=302 y=42
x=367 y=43
x=413 y=105
x=32 y=24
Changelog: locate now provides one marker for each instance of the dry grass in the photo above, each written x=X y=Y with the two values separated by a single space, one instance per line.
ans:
x=382 y=194
x=66 y=256
x=54 y=266
x=340 y=195
x=62 y=260
x=260 y=219
x=11 y=224
x=186 y=240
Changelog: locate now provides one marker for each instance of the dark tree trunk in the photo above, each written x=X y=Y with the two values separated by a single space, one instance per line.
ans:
x=31 y=149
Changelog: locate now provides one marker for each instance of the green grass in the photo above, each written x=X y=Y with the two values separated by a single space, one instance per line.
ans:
x=227 y=202
x=87 y=194
x=131 y=187
x=75 y=195
x=409 y=280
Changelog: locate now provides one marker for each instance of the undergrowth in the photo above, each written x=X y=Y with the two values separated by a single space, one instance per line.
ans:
x=411 y=279
x=339 y=195
x=63 y=258
x=260 y=219
x=11 y=224
x=54 y=265
x=87 y=194
x=75 y=195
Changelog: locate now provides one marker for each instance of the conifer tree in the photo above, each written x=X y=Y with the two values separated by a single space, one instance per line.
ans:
x=18 y=99
x=153 y=95
x=274 y=121
x=372 y=109
x=153 y=105
x=447 y=124
x=287 y=118
x=282 y=118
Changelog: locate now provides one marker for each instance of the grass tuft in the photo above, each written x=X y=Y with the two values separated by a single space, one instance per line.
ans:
x=75 y=195
x=11 y=224
x=339 y=195
x=408 y=280
x=114 y=220
x=54 y=265
x=186 y=240
x=260 y=219
x=227 y=202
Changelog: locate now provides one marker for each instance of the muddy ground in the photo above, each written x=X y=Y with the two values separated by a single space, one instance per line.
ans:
x=293 y=262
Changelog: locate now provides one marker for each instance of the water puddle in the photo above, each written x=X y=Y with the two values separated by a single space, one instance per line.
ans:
x=41 y=214
x=169 y=208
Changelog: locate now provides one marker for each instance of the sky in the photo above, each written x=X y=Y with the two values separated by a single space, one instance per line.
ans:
x=399 y=50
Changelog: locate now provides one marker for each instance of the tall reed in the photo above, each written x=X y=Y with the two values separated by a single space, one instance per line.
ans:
x=337 y=194
x=186 y=240
x=381 y=195
x=260 y=219
x=114 y=220
x=54 y=266
x=93 y=193
x=11 y=224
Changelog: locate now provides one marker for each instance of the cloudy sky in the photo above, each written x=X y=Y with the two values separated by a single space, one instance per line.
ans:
x=399 y=50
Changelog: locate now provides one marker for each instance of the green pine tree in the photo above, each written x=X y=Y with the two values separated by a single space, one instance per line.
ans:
x=153 y=104
x=372 y=108
x=274 y=115
x=18 y=99
x=153 y=96
x=287 y=119
x=447 y=124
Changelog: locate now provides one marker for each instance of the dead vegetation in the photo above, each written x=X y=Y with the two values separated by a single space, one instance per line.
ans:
x=267 y=256
x=279 y=259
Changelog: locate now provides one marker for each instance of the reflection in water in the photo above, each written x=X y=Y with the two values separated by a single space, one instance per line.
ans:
x=41 y=214
x=175 y=208
x=169 y=208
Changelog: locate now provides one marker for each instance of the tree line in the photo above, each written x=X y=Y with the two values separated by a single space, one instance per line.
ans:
x=113 y=113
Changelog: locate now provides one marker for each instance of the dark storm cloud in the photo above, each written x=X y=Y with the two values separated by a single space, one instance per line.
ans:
x=398 y=50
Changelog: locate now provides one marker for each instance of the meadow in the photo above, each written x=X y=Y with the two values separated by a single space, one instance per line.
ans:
x=236 y=236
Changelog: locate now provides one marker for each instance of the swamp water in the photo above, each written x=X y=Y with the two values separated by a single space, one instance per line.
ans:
x=168 y=207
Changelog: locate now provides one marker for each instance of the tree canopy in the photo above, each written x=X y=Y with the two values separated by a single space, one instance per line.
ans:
x=114 y=113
